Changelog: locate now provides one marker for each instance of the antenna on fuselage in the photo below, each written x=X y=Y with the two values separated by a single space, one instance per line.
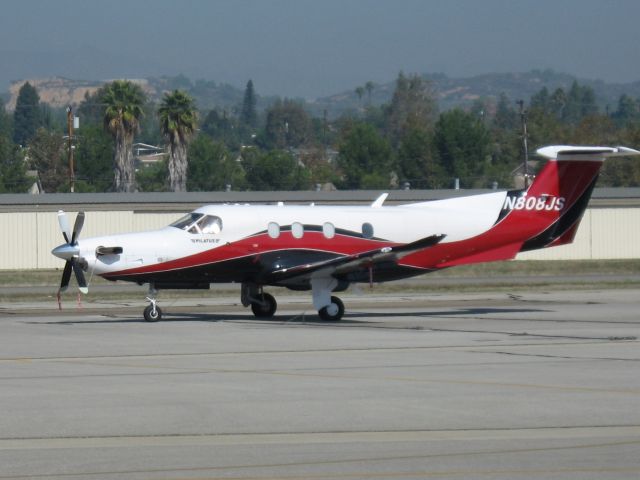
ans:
x=377 y=203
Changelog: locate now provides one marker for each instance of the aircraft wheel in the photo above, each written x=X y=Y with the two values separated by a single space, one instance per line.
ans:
x=332 y=312
x=150 y=315
x=266 y=308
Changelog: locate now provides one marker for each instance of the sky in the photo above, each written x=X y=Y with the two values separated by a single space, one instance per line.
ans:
x=312 y=48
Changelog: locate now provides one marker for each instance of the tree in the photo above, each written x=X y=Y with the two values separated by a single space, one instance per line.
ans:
x=288 y=125
x=222 y=128
x=558 y=102
x=359 y=92
x=595 y=130
x=212 y=167
x=544 y=128
x=581 y=102
x=6 y=129
x=12 y=168
x=541 y=100
x=248 y=115
x=365 y=158
x=369 y=86
x=506 y=117
x=90 y=109
x=27 y=117
x=462 y=144
x=621 y=172
x=178 y=121
x=274 y=170
x=413 y=106
x=124 y=107
x=153 y=178
x=320 y=169
x=93 y=159
x=48 y=155
x=627 y=110
x=416 y=160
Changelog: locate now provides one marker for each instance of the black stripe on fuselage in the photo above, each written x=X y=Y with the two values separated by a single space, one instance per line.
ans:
x=256 y=269
x=506 y=211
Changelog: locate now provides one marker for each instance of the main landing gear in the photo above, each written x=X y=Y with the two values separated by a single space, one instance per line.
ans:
x=263 y=305
x=332 y=312
x=329 y=308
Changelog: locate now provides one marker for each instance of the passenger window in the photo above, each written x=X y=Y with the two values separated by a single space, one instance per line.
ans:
x=297 y=230
x=328 y=230
x=273 y=229
x=367 y=230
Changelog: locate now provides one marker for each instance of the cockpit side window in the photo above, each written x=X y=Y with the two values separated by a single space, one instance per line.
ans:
x=210 y=224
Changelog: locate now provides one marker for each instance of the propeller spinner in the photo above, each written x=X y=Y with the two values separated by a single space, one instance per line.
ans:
x=71 y=252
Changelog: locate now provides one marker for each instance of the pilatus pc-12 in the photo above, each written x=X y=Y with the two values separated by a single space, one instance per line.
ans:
x=326 y=248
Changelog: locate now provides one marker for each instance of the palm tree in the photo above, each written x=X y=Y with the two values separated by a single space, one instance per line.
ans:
x=178 y=117
x=369 y=86
x=124 y=102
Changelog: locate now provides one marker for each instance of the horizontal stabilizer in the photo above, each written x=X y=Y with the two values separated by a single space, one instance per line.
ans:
x=568 y=151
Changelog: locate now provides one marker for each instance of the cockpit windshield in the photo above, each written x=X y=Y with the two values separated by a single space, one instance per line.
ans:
x=199 y=223
x=185 y=222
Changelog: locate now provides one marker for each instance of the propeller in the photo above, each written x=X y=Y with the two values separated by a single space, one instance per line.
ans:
x=70 y=252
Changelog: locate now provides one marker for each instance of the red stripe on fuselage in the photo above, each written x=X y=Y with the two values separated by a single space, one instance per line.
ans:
x=259 y=244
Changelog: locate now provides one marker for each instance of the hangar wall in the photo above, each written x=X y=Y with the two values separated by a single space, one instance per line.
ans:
x=28 y=237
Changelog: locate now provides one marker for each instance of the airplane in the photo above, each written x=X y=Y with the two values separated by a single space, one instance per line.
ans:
x=325 y=249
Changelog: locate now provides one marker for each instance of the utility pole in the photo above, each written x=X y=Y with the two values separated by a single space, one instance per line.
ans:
x=523 y=118
x=72 y=179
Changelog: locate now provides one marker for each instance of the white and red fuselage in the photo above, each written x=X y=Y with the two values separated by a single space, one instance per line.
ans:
x=302 y=247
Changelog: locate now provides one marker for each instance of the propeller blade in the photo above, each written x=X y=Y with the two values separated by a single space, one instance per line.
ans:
x=82 y=283
x=77 y=227
x=66 y=276
x=64 y=225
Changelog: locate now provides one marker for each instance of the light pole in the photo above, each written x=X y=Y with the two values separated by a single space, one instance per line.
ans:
x=72 y=179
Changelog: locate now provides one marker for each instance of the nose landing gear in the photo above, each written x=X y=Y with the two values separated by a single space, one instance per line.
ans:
x=152 y=313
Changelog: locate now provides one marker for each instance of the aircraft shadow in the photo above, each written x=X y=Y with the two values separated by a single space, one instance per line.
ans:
x=450 y=312
x=351 y=318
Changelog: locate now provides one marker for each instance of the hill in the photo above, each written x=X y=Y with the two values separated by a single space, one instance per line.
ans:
x=462 y=92
x=451 y=92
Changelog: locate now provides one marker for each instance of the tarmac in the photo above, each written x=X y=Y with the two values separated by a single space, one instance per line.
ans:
x=542 y=385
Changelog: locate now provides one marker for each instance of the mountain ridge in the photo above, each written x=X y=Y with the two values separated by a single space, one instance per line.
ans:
x=450 y=91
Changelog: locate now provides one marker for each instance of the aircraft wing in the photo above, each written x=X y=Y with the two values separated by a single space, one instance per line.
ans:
x=349 y=263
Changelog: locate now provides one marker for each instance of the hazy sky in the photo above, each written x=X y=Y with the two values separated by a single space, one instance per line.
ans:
x=317 y=47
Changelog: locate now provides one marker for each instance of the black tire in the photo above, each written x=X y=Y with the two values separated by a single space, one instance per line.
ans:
x=324 y=314
x=265 y=309
x=149 y=316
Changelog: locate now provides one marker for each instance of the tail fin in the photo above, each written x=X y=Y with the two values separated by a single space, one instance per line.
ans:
x=561 y=191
